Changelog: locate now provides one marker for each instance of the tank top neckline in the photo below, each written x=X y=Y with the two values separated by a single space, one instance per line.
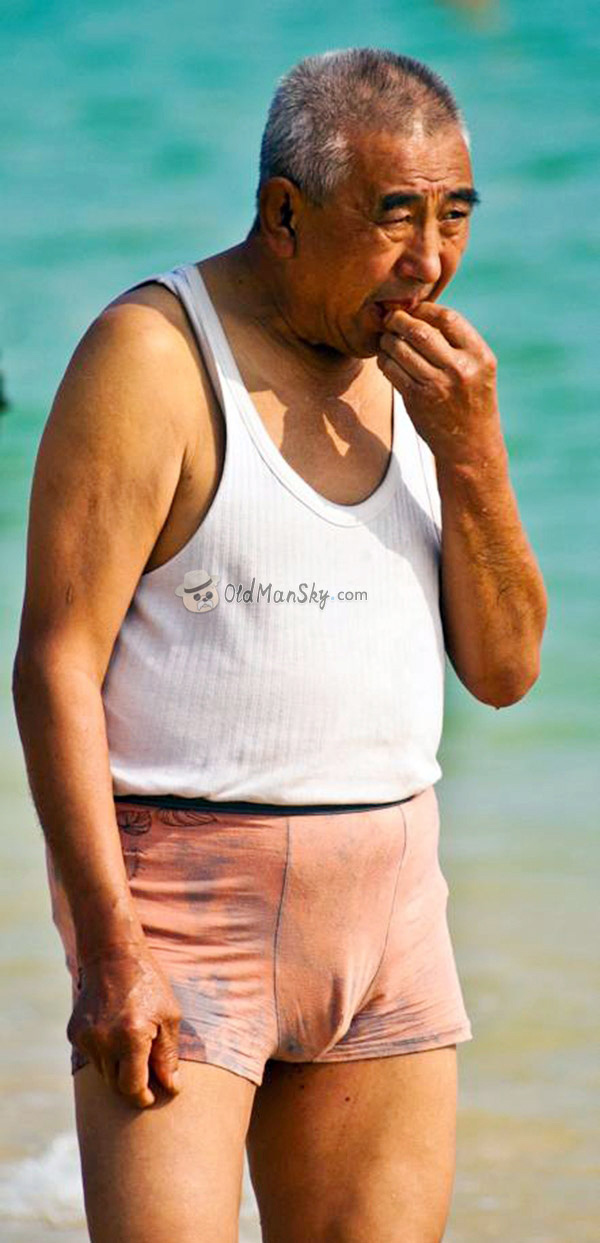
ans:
x=231 y=379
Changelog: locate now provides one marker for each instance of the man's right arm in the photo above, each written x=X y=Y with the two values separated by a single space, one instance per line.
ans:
x=108 y=465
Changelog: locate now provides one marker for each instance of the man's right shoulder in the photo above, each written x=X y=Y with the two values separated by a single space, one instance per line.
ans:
x=158 y=298
x=150 y=324
x=153 y=314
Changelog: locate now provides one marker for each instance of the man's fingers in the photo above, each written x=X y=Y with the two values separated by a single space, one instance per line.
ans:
x=83 y=1042
x=405 y=356
x=426 y=339
x=456 y=329
x=132 y=1079
x=396 y=374
x=164 y=1058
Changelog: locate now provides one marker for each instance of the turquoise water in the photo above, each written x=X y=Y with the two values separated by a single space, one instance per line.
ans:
x=130 y=144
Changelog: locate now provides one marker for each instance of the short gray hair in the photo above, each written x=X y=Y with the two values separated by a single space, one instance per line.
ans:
x=323 y=99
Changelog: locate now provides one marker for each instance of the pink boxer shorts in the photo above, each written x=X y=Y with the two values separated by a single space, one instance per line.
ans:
x=310 y=937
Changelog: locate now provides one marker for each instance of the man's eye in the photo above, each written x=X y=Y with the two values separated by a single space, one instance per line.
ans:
x=456 y=215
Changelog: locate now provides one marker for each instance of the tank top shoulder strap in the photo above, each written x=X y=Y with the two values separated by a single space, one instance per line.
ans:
x=185 y=283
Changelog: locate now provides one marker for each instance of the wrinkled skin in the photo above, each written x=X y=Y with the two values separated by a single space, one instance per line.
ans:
x=338 y=274
x=126 y=1021
x=446 y=374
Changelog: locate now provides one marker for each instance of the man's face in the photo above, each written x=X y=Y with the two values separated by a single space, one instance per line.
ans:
x=367 y=248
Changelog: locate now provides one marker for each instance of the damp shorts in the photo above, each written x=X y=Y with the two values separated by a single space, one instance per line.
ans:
x=305 y=937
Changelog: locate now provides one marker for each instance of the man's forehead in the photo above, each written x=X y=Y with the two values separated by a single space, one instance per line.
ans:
x=391 y=169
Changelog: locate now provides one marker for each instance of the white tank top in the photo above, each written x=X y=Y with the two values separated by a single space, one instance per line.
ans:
x=292 y=651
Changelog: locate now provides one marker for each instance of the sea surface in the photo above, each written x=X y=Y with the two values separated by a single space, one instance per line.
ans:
x=130 y=142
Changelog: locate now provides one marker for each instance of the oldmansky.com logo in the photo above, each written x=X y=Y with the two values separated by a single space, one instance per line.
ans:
x=199 y=593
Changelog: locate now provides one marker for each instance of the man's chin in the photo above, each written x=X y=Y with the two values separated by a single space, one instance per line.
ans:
x=368 y=347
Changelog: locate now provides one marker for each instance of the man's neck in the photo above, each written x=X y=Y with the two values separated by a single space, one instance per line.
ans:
x=253 y=288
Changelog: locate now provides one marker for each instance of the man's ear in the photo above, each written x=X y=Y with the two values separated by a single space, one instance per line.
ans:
x=280 y=202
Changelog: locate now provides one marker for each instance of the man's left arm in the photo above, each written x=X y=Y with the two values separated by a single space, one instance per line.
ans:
x=493 y=599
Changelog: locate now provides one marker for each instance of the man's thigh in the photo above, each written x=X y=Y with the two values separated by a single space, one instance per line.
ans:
x=353 y=1152
x=170 y=1172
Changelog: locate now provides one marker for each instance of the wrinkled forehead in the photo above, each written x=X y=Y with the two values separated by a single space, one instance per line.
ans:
x=385 y=161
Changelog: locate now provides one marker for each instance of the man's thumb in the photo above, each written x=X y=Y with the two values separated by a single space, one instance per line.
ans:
x=165 y=1061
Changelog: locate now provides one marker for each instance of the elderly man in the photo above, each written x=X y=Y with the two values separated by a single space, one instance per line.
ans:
x=243 y=576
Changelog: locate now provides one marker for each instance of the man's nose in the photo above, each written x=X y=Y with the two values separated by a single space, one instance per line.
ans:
x=421 y=258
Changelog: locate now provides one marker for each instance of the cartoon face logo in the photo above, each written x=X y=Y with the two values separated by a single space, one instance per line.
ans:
x=198 y=591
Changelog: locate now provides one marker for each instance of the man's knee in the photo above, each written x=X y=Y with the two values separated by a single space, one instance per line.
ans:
x=398 y=1229
x=356 y=1223
x=407 y=1221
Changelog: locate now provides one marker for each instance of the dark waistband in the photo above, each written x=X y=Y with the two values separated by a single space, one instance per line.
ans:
x=268 y=809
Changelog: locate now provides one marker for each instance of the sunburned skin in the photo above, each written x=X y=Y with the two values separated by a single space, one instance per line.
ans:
x=317 y=278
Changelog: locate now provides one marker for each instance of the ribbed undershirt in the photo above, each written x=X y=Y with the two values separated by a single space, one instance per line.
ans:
x=283 y=705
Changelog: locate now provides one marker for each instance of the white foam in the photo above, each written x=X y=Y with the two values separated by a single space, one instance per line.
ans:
x=48 y=1189
x=45 y=1188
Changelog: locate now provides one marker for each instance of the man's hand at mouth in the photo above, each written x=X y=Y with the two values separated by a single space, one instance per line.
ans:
x=446 y=374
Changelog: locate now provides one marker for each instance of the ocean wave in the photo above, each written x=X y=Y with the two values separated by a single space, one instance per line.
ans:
x=45 y=1188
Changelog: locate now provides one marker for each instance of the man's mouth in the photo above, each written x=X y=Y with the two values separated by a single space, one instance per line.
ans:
x=404 y=304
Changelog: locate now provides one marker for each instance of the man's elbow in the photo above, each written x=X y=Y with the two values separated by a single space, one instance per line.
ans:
x=508 y=688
